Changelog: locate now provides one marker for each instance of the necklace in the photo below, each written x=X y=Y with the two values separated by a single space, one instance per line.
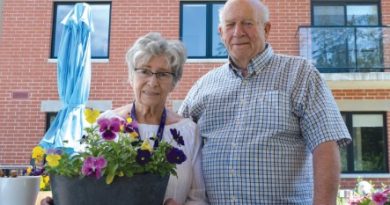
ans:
x=161 y=127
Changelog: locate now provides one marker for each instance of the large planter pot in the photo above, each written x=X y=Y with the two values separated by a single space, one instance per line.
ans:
x=137 y=190
x=21 y=190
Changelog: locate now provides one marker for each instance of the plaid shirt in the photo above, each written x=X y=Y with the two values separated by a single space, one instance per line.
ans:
x=259 y=131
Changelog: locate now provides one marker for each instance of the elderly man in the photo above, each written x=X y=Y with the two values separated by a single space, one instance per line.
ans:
x=270 y=126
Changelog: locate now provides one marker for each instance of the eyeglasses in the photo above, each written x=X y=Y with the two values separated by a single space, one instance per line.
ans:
x=145 y=73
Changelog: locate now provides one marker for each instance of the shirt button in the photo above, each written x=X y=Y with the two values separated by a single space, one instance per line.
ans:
x=233 y=198
x=232 y=173
x=234 y=145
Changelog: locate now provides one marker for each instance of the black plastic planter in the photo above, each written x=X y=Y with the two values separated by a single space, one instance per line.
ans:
x=145 y=189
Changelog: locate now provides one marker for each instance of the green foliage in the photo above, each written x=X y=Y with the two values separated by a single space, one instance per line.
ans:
x=120 y=155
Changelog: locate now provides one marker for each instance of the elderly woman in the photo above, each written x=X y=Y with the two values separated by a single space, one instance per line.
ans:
x=155 y=66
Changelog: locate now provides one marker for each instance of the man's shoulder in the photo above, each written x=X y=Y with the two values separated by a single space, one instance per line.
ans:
x=286 y=57
x=290 y=63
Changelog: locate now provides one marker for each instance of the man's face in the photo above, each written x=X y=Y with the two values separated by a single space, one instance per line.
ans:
x=241 y=30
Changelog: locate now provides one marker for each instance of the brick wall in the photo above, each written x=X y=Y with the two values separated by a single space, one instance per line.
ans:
x=286 y=16
x=350 y=183
x=371 y=94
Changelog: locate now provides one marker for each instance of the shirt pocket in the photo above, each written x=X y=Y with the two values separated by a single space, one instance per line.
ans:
x=270 y=111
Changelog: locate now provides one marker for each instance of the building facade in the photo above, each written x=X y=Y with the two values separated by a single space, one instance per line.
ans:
x=348 y=41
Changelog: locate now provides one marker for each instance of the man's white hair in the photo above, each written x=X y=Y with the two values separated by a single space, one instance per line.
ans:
x=264 y=13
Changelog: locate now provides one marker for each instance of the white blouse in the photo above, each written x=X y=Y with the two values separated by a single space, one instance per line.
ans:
x=188 y=187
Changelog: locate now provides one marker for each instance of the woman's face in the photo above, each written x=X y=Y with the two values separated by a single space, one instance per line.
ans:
x=153 y=82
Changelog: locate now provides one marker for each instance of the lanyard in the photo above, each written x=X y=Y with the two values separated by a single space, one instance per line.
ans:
x=160 y=130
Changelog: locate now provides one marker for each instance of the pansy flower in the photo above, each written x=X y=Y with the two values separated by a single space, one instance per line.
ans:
x=53 y=160
x=177 y=137
x=29 y=170
x=93 y=166
x=37 y=172
x=143 y=156
x=44 y=182
x=131 y=129
x=146 y=146
x=38 y=153
x=109 y=128
x=54 y=151
x=91 y=115
x=176 y=156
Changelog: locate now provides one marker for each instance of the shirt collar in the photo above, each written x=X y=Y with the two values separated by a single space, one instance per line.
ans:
x=257 y=63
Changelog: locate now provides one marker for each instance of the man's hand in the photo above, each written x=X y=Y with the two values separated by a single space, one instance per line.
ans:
x=171 y=201
x=47 y=201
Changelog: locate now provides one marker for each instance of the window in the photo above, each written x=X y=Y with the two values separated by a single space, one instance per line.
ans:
x=199 y=29
x=50 y=116
x=338 y=14
x=101 y=20
x=368 y=150
x=347 y=37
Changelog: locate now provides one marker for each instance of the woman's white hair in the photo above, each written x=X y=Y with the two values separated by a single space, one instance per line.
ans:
x=152 y=45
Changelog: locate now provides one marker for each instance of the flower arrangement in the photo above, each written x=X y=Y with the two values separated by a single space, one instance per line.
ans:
x=113 y=148
x=365 y=194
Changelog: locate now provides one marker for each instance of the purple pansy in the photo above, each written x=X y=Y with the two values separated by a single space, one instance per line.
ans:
x=93 y=166
x=130 y=127
x=177 y=137
x=109 y=127
x=143 y=156
x=176 y=156
x=35 y=171
x=54 y=151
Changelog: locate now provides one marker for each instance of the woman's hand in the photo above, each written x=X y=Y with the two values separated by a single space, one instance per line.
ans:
x=47 y=201
x=171 y=201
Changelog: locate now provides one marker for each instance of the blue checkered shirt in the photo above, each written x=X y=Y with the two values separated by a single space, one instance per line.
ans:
x=260 y=131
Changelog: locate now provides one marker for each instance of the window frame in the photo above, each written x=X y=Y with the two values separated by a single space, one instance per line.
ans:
x=53 y=26
x=209 y=29
x=349 y=147
x=345 y=3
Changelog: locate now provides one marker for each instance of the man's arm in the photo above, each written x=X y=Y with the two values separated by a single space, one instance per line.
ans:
x=326 y=161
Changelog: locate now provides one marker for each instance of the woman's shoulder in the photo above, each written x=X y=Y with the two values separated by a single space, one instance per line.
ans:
x=177 y=121
x=173 y=117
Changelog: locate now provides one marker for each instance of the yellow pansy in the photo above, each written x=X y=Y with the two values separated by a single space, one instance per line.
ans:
x=38 y=153
x=28 y=170
x=91 y=115
x=42 y=184
x=46 y=179
x=134 y=135
x=129 y=120
x=53 y=160
x=146 y=146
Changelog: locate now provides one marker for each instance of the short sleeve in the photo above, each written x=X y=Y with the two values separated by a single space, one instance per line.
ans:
x=321 y=120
